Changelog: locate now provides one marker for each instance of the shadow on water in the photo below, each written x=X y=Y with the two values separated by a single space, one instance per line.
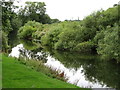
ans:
x=95 y=70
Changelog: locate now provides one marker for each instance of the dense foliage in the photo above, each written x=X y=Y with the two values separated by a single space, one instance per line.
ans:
x=26 y=32
x=109 y=42
x=13 y=17
x=35 y=11
x=10 y=23
x=98 y=32
x=4 y=41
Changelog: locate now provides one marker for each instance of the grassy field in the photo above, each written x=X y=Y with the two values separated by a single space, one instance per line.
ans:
x=16 y=75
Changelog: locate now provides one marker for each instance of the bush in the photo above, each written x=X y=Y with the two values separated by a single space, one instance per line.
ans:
x=85 y=47
x=66 y=40
x=28 y=30
x=4 y=41
x=51 y=36
x=109 y=45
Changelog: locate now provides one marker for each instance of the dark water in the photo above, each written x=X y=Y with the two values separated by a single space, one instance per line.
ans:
x=84 y=70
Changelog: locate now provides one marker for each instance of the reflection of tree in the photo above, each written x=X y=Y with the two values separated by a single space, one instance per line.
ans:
x=33 y=55
x=30 y=45
x=103 y=71
x=31 y=50
x=73 y=60
x=95 y=70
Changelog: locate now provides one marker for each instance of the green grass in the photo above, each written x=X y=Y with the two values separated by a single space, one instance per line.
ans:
x=16 y=75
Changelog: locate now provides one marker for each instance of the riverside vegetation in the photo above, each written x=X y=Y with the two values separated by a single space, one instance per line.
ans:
x=97 y=33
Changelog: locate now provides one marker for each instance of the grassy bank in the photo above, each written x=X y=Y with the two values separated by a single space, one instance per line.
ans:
x=16 y=75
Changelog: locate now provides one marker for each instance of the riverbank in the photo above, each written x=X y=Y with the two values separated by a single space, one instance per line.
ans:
x=16 y=75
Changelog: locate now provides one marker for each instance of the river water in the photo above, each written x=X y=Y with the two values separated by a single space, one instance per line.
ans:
x=84 y=70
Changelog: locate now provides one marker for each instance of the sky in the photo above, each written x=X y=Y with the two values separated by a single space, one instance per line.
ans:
x=73 y=9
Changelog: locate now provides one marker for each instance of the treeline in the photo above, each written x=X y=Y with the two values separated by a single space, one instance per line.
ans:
x=98 y=32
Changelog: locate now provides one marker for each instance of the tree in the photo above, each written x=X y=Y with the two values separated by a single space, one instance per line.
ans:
x=10 y=22
x=34 y=11
x=109 y=44
x=7 y=15
x=55 y=21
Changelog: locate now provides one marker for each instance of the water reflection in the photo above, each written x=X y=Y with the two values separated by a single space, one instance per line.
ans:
x=81 y=70
x=20 y=52
x=30 y=45
x=95 y=70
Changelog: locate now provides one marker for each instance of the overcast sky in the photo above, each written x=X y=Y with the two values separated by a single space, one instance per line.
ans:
x=72 y=9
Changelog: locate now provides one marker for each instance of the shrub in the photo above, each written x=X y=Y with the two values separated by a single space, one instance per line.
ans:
x=3 y=41
x=28 y=30
x=51 y=36
x=109 y=45
x=85 y=47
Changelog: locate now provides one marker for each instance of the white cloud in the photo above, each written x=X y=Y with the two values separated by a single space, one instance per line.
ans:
x=72 y=9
